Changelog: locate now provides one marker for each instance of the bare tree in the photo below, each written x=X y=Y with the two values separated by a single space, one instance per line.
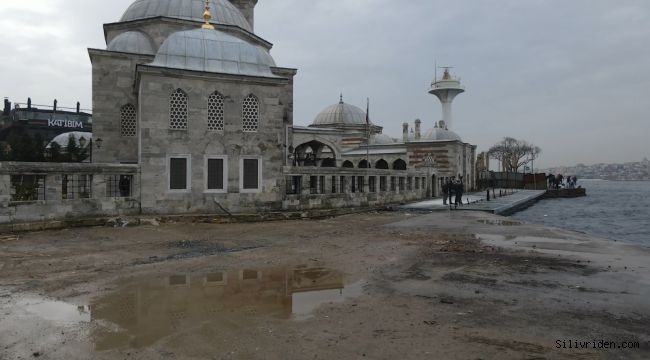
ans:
x=514 y=153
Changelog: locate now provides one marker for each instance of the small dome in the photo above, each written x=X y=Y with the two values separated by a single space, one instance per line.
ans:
x=223 y=11
x=341 y=114
x=381 y=139
x=437 y=134
x=213 y=51
x=63 y=139
x=132 y=42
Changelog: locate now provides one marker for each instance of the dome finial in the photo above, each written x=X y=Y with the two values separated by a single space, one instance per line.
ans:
x=341 y=99
x=207 y=16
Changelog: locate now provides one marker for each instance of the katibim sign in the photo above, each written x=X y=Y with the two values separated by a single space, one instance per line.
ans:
x=69 y=124
x=59 y=123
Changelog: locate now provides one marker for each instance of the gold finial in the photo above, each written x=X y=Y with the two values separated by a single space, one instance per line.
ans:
x=207 y=15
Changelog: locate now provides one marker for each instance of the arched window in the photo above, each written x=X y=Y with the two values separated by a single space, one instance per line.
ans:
x=348 y=164
x=381 y=164
x=399 y=164
x=215 y=112
x=178 y=110
x=128 y=121
x=363 y=164
x=250 y=114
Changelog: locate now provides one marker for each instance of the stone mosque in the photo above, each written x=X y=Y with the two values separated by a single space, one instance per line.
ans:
x=194 y=116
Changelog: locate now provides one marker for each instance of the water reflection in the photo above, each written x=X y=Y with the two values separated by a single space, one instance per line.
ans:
x=144 y=311
x=499 y=222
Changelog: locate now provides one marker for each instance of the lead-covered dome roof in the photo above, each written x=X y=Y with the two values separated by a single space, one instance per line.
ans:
x=223 y=11
x=382 y=139
x=132 y=42
x=341 y=114
x=213 y=51
x=437 y=134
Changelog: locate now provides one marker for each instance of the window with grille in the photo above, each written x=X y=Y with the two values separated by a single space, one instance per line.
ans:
x=178 y=110
x=382 y=184
x=128 y=121
x=294 y=185
x=313 y=184
x=401 y=184
x=250 y=175
x=334 y=185
x=27 y=187
x=215 y=112
x=343 y=185
x=360 y=183
x=119 y=186
x=178 y=173
x=76 y=186
x=409 y=183
x=372 y=184
x=250 y=114
x=216 y=173
x=417 y=183
x=393 y=183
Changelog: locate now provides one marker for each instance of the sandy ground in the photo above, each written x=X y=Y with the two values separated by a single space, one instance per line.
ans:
x=447 y=285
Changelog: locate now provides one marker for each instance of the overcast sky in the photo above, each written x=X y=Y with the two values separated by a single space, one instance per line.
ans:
x=570 y=76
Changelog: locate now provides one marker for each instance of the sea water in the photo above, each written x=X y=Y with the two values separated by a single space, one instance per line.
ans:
x=617 y=210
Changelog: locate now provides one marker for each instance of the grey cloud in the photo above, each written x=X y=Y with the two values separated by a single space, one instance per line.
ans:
x=570 y=76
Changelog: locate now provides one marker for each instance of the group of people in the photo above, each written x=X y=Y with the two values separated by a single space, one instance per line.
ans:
x=561 y=182
x=452 y=191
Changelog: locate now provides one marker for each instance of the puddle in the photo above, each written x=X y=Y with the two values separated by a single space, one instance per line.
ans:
x=51 y=310
x=499 y=222
x=509 y=240
x=142 y=311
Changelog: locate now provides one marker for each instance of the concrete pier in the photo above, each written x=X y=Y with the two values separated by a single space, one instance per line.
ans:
x=503 y=205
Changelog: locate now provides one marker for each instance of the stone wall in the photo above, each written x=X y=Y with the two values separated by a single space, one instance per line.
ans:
x=113 y=87
x=159 y=142
x=328 y=192
x=53 y=203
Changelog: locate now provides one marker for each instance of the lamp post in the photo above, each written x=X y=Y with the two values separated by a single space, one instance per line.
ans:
x=99 y=143
x=428 y=163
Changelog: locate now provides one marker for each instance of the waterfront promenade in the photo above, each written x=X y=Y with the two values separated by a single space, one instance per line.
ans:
x=501 y=205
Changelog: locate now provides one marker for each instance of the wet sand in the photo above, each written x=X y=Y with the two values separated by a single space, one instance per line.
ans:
x=459 y=285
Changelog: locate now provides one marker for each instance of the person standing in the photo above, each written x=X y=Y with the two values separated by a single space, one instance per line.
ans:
x=450 y=190
x=445 y=192
x=459 y=192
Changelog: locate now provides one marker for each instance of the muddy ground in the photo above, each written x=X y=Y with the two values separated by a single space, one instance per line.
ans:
x=388 y=285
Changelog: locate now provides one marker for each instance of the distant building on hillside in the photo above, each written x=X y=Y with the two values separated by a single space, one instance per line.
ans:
x=48 y=121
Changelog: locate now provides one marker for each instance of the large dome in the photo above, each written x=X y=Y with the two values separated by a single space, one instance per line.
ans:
x=213 y=51
x=341 y=114
x=132 y=42
x=223 y=11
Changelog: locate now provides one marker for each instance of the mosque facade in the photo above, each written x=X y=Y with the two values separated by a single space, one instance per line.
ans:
x=191 y=114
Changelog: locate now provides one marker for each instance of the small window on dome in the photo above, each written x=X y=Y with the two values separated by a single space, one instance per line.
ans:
x=215 y=112
x=178 y=110
x=250 y=114
x=128 y=121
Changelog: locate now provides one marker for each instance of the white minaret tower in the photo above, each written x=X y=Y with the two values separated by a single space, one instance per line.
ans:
x=446 y=90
